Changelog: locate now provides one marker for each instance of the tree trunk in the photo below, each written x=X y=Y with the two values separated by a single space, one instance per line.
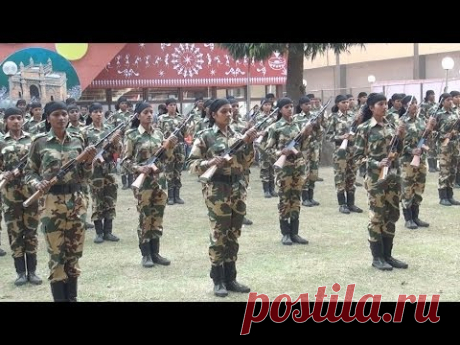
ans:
x=294 y=78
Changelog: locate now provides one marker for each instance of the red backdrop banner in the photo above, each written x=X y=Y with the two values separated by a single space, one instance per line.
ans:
x=186 y=65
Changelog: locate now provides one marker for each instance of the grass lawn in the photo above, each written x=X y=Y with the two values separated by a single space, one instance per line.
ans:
x=338 y=253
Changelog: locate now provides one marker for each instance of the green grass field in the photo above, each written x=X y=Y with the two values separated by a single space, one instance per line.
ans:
x=338 y=253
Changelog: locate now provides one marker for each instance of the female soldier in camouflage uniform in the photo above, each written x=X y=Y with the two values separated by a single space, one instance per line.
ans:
x=344 y=166
x=141 y=143
x=21 y=222
x=290 y=179
x=413 y=178
x=63 y=204
x=103 y=185
x=373 y=145
x=225 y=194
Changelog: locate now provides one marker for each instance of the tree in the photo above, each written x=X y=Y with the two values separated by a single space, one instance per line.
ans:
x=295 y=56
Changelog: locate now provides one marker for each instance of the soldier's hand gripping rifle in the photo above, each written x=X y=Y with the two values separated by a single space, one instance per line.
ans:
x=391 y=156
x=151 y=162
x=120 y=127
x=451 y=132
x=17 y=170
x=82 y=157
x=353 y=128
x=421 y=143
x=291 y=145
x=228 y=154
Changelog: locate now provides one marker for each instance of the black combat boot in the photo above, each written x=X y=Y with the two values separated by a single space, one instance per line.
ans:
x=2 y=252
x=155 y=250
x=171 y=196
x=72 y=289
x=457 y=180
x=377 y=255
x=217 y=275
x=59 y=291
x=20 y=265
x=124 y=181
x=286 y=232
x=32 y=268
x=450 y=196
x=230 y=279
x=271 y=188
x=295 y=238
x=431 y=165
x=99 y=231
x=146 y=255
x=443 y=200
x=408 y=217
x=311 y=193
x=306 y=199
x=343 y=208
x=130 y=180
x=415 y=211
x=387 y=248
x=177 y=198
x=351 y=203
x=108 y=228
x=247 y=221
x=88 y=225
x=266 y=188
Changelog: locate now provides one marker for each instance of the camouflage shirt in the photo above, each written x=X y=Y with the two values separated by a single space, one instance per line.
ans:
x=339 y=125
x=47 y=155
x=29 y=125
x=426 y=108
x=92 y=135
x=372 y=144
x=317 y=133
x=279 y=136
x=445 y=120
x=72 y=129
x=415 y=127
x=393 y=116
x=139 y=146
x=168 y=123
x=200 y=126
x=119 y=117
x=211 y=143
x=12 y=150
x=237 y=125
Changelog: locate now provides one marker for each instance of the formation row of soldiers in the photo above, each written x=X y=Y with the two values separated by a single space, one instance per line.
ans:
x=371 y=131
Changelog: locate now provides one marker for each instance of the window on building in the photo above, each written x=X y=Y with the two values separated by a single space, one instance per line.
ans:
x=237 y=92
x=258 y=91
x=191 y=94
x=93 y=95
x=161 y=95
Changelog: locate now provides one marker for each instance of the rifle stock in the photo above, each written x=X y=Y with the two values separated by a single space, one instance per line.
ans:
x=344 y=144
x=209 y=173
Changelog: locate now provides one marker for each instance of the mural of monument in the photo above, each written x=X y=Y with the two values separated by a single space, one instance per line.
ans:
x=41 y=75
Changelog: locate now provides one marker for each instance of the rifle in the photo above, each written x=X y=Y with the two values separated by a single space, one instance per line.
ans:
x=61 y=173
x=228 y=154
x=16 y=170
x=120 y=126
x=421 y=143
x=353 y=128
x=291 y=145
x=451 y=131
x=259 y=139
x=391 y=156
x=152 y=160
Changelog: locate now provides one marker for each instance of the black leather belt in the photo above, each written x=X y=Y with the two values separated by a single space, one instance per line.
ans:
x=65 y=188
x=229 y=179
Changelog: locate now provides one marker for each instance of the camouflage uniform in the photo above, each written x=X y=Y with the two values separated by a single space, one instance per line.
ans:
x=103 y=185
x=413 y=178
x=372 y=144
x=118 y=118
x=21 y=222
x=35 y=127
x=426 y=110
x=393 y=116
x=225 y=197
x=29 y=125
x=290 y=179
x=266 y=160
x=448 y=155
x=139 y=146
x=175 y=163
x=61 y=209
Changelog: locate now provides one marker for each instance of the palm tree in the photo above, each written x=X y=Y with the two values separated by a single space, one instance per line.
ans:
x=295 y=57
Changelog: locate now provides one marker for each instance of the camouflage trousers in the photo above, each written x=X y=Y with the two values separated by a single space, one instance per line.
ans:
x=151 y=203
x=226 y=211
x=383 y=200
x=174 y=167
x=431 y=143
x=267 y=173
x=413 y=184
x=311 y=157
x=104 y=197
x=448 y=157
x=86 y=193
x=21 y=222
x=62 y=218
x=344 y=171
x=290 y=180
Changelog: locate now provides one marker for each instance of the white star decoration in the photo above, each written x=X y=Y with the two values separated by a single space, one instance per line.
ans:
x=213 y=72
x=142 y=45
x=161 y=73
